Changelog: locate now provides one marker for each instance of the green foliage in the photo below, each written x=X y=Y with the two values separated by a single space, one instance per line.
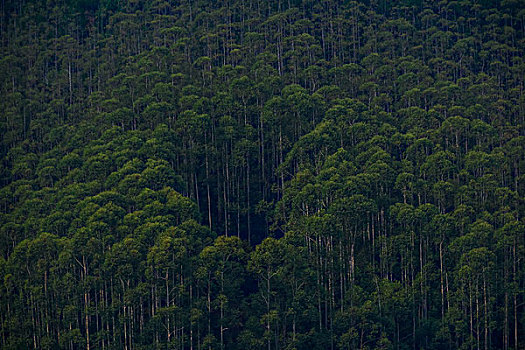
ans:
x=250 y=175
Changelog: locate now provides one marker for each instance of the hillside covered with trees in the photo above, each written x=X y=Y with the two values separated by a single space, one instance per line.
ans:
x=255 y=174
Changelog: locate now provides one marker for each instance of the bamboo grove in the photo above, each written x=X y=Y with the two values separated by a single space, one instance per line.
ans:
x=249 y=174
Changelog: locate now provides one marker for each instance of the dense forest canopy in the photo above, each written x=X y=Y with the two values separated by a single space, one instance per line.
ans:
x=254 y=174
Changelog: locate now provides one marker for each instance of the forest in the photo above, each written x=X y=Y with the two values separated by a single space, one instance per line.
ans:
x=256 y=174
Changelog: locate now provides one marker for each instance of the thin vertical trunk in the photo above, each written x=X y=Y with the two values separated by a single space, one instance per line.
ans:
x=263 y=168
x=471 y=318
x=485 y=311
x=70 y=82
x=515 y=321
x=208 y=187
x=33 y=322
x=441 y=281
x=477 y=316
x=209 y=308
x=222 y=311
x=168 y=335
x=515 y=298
x=239 y=206
x=506 y=322
x=268 y=307
x=248 y=216
x=86 y=303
